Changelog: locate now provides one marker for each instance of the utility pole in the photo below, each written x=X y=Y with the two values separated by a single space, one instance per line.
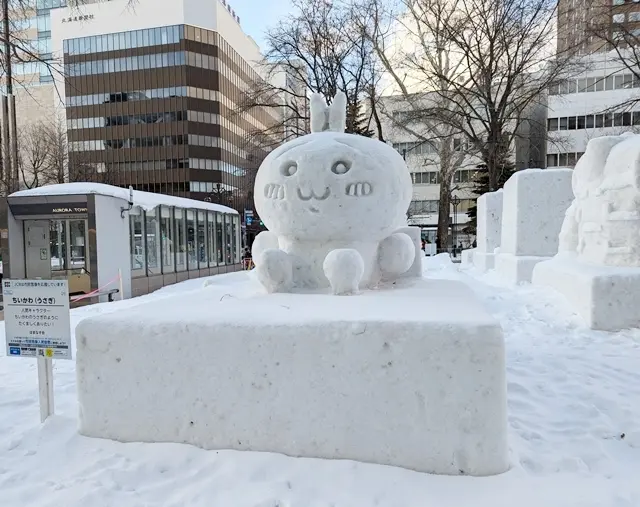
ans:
x=10 y=169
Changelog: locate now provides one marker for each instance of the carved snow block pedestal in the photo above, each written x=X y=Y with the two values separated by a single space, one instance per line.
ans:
x=467 y=257
x=489 y=229
x=396 y=377
x=534 y=205
x=606 y=297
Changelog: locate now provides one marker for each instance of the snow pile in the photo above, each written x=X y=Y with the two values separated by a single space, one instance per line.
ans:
x=574 y=431
x=145 y=200
x=330 y=191
x=598 y=268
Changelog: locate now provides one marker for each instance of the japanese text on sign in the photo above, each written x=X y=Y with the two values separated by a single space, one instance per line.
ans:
x=37 y=318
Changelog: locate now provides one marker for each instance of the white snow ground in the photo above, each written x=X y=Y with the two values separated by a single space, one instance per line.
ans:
x=573 y=393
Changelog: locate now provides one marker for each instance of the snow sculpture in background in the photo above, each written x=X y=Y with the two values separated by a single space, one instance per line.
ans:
x=602 y=225
x=334 y=204
x=598 y=263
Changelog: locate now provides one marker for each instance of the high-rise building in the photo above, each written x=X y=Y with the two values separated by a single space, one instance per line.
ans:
x=585 y=26
x=151 y=94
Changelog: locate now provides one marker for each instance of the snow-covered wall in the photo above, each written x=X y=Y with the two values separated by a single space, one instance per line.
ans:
x=112 y=243
x=398 y=377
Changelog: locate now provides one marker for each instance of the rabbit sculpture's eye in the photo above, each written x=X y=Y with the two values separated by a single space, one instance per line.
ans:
x=289 y=169
x=340 y=167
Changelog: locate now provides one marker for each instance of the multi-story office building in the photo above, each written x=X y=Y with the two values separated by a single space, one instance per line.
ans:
x=584 y=26
x=588 y=106
x=153 y=105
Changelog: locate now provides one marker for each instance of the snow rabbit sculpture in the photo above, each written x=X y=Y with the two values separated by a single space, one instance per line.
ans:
x=332 y=203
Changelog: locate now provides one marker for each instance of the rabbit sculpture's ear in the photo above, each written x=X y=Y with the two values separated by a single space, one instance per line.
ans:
x=318 y=113
x=328 y=118
x=338 y=113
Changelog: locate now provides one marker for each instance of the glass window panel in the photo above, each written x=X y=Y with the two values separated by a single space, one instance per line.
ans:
x=581 y=122
x=619 y=82
x=572 y=122
x=211 y=236
x=220 y=240
x=58 y=243
x=599 y=86
x=589 y=121
x=563 y=123
x=552 y=124
x=562 y=159
x=599 y=123
x=191 y=240
x=626 y=119
x=591 y=82
x=552 y=160
x=137 y=242
x=617 y=120
x=237 y=239
x=202 y=240
x=153 y=242
x=181 y=240
x=608 y=84
x=77 y=244
x=228 y=239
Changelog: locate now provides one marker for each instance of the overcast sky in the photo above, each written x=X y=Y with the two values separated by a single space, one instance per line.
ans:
x=257 y=15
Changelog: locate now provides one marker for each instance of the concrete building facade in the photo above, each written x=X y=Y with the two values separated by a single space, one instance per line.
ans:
x=598 y=102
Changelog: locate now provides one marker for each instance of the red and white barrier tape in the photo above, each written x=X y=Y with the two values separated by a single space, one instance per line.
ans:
x=94 y=292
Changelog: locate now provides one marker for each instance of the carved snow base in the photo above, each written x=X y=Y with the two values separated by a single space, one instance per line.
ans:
x=516 y=268
x=606 y=297
x=484 y=261
x=467 y=257
x=397 y=377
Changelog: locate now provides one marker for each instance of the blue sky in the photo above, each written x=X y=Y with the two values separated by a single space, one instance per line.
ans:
x=257 y=15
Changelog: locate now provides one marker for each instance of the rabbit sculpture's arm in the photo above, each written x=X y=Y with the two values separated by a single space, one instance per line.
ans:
x=396 y=254
x=274 y=268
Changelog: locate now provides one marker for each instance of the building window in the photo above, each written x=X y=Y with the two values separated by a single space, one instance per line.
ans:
x=229 y=239
x=192 y=246
x=211 y=236
x=563 y=123
x=168 y=239
x=181 y=241
x=236 y=239
x=136 y=231
x=618 y=18
x=552 y=160
x=618 y=2
x=202 y=240
x=58 y=240
x=152 y=226
x=552 y=124
x=220 y=239
x=634 y=16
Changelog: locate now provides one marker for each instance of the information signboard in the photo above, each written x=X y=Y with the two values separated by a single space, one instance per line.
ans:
x=36 y=316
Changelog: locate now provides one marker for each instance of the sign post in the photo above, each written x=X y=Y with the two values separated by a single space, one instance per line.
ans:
x=37 y=324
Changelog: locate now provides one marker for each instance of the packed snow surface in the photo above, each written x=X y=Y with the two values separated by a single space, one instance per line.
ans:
x=574 y=430
x=145 y=200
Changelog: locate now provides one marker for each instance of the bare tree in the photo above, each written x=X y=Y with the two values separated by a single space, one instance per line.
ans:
x=505 y=60
x=43 y=153
x=33 y=156
x=317 y=48
x=413 y=47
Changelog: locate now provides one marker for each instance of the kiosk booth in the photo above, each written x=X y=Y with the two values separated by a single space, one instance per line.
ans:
x=94 y=234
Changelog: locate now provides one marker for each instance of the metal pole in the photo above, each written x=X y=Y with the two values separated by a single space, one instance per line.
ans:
x=6 y=152
x=13 y=130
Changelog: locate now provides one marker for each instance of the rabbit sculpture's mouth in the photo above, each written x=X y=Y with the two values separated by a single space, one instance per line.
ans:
x=359 y=189
x=312 y=195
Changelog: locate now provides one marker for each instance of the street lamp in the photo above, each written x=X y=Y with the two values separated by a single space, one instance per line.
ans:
x=455 y=202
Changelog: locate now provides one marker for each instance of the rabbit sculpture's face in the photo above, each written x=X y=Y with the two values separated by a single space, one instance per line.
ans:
x=333 y=186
